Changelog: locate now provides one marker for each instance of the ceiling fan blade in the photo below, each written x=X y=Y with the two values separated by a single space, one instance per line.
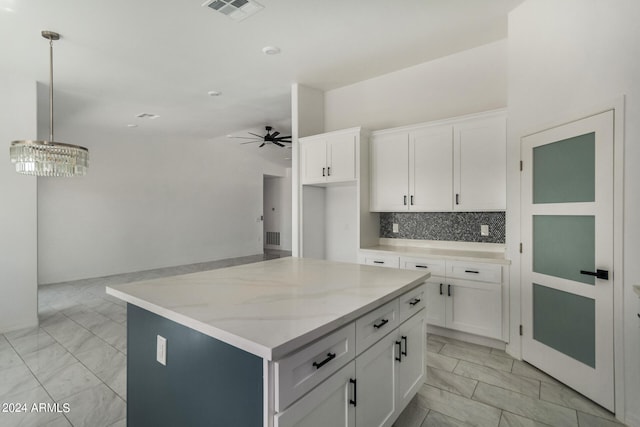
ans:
x=255 y=134
x=283 y=140
x=242 y=137
x=278 y=144
x=285 y=137
x=262 y=145
x=275 y=134
x=250 y=142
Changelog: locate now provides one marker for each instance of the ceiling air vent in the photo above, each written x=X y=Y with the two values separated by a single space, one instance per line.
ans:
x=235 y=9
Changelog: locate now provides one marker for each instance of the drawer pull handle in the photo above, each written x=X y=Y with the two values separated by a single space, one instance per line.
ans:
x=421 y=266
x=472 y=271
x=355 y=392
x=440 y=288
x=404 y=353
x=328 y=170
x=414 y=301
x=381 y=324
x=399 y=356
x=378 y=262
x=449 y=290
x=323 y=172
x=330 y=357
x=405 y=201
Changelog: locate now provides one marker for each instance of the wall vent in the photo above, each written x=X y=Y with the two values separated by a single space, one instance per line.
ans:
x=272 y=238
x=237 y=10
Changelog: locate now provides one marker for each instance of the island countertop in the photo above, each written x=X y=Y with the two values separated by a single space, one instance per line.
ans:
x=273 y=307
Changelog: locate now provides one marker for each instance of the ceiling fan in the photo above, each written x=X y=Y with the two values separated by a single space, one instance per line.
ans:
x=269 y=138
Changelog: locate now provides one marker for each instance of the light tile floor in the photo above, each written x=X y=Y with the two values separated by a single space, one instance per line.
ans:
x=76 y=358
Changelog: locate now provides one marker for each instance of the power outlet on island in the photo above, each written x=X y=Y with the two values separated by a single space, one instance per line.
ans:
x=395 y=228
x=484 y=230
x=161 y=350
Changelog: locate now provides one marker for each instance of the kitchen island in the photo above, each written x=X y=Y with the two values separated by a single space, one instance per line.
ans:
x=274 y=343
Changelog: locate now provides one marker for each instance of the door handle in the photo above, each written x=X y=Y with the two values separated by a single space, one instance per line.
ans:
x=600 y=274
x=323 y=171
x=355 y=392
x=328 y=170
x=412 y=199
x=399 y=356
x=440 y=288
x=448 y=290
x=405 y=201
x=457 y=199
x=404 y=353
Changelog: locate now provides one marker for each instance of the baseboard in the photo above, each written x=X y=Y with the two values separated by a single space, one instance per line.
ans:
x=463 y=336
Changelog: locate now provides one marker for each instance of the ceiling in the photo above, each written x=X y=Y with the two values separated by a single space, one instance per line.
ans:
x=120 y=58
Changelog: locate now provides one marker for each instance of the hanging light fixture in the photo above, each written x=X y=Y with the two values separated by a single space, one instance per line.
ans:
x=49 y=158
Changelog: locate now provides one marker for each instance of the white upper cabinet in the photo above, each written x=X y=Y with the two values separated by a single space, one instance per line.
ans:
x=389 y=172
x=456 y=165
x=430 y=169
x=480 y=175
x=330 y=157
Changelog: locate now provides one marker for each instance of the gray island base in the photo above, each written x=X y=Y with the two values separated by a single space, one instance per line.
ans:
x=280 y=343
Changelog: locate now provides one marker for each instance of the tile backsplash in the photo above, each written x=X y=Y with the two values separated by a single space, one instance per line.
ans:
x=451 y=226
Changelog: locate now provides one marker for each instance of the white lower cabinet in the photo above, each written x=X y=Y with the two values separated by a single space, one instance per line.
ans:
x=374 y=388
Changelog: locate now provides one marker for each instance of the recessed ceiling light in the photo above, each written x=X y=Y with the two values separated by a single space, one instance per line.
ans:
x=147 y=116
x=271 y=50
x=132 y=125
x=214 y=93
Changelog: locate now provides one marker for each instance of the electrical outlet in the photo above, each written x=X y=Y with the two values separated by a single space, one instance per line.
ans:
x=395 y=228
x=161 y=350
x=484 y=230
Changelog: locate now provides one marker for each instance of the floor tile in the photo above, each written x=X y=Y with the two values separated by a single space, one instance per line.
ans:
x=68 y=381
x=4 y=344
x=121 y=423
x=114 y=374
x=113 y=333
x=524 y=369
x=88 y=318
x=451 y=382
x=16 y=379
x=479 y=358
x=458 y=407
x=458 y=343
x=9 y=358
x=499 y=378
x=436 y=360
x=588 y=420
x=436 y=419
x=96 y=407
x=563 y=395
x=512 y=420
x=49 y=358
x=412 y=416
x=434 y=346
x=25 y=344
x=32 y=397
x=98 y=356
x=526 y=406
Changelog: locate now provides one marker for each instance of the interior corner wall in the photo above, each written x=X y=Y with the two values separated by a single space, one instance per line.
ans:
x=467 y=82
x=563 y=58
x=18 y=232
x=149 y=202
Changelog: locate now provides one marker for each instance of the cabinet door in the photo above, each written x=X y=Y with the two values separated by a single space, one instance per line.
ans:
x=431 y=169
x=326 y=405
x=341 y=158
x=475 y=307
x=412 y=365
x=376 y=384
x=313 y=159
x=436 y=288
x=480 y=153
x=389 y=172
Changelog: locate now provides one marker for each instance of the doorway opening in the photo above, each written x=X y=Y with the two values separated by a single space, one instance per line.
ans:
x=276 y=224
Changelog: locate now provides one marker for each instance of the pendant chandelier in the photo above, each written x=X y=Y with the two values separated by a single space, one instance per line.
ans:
x=49 y=158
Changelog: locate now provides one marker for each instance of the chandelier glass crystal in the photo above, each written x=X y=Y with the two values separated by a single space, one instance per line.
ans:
x=49 y=158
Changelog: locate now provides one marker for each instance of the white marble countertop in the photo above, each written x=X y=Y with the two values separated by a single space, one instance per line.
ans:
x=274 y=307
x=475 y=252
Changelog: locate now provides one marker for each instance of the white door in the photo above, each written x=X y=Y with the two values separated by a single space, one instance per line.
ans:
x=341 y=158
x=412 y=365
x=376 y=387
x=390 y=172
x=329 y=404
x=313 y=159
x=431 y=169
x=567 y=230
x=480 y=166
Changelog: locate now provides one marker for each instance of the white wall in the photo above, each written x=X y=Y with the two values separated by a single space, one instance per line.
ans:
x=18 y=232
x=150 y=202
x=467 y=82
x=277 y=209
x=565 y=57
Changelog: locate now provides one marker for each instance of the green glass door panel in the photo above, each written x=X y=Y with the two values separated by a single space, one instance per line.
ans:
x=564 y=171
x=565 y=322
x=563 y=245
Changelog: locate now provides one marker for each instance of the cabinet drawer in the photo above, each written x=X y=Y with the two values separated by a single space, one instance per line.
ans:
x=475 y=271
x=434 y=266
x=382 y=260
x=376 y=324
x=301 y=371
x=412 y=302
